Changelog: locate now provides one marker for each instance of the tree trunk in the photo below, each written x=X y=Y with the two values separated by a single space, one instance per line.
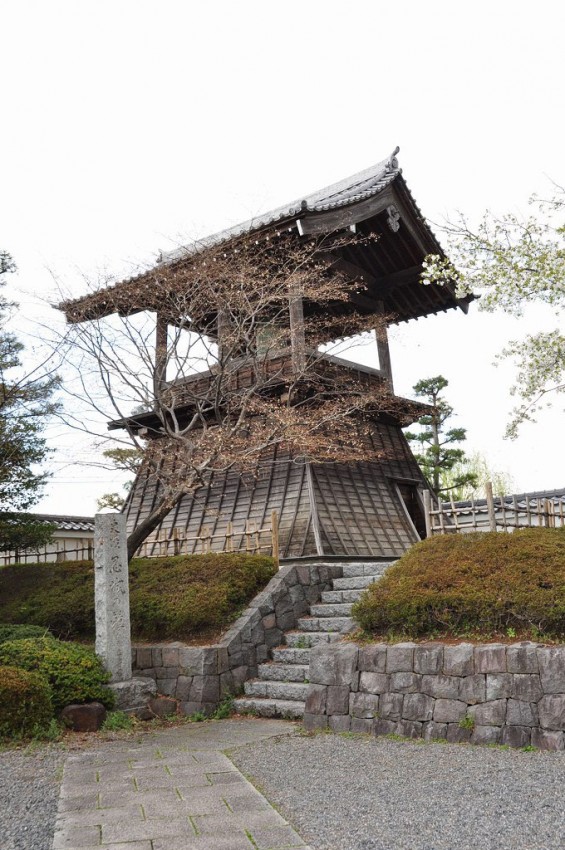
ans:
x=149 y=524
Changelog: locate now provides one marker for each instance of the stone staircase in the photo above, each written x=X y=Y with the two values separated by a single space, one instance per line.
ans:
x=282 y=684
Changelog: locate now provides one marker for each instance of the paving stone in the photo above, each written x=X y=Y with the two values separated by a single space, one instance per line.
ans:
x=527 y=687
x=522 y=658
x=551 y=709
x=337 y=699
x=72 y=838
x=84 y=718
x=433 y=731
x=417 y=707
x=390 y=706
x=316 y=699
x=361 y=726
x=409 y=729
x=339 y=722
x=457 y=734
x=458 y=660
x=441 y=687
x=520 y=713
x=552 y=668
x=449 y=710
x=490 y=658
x=400 y=658
x=499 y=686
x=372 y=659
x=428 y=660
x=405 y=683
x=516 y=736
x=374 y=683
x=364 y=705
x=334 y=665
x=543 y=739
x=489 y=713
x=384 y=727
x=315 y=721
x=472 y=689
x=486 y=735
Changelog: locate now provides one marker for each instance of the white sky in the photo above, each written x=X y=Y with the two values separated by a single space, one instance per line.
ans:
x=129 y=125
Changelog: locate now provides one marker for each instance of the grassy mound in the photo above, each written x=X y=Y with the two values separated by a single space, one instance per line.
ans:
x=483 y=583
x=74 y=672
x=170 y=598
x=19 y=632
x=25 y=703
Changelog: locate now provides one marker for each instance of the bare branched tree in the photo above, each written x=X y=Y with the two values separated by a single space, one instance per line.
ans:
x=218 y=353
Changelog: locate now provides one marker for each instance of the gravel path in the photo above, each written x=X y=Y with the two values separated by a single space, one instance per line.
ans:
x=29 y=789
x=375 y=794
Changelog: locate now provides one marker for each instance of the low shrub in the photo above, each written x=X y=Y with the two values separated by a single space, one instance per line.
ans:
x=26 y=707
x=19 y=631
x=170 y=598
x=74 y=672
x=484 y=582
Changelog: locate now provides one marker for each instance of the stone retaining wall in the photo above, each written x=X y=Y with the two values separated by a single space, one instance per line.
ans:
x=198 y=677
x=487 y=694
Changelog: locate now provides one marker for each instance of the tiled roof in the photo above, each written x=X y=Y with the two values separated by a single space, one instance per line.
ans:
x=521 y=500
x=351 y=190
x=68 y=523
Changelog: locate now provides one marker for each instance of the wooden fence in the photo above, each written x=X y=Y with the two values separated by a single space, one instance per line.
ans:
x=493 y=513
x=55 y=552
x=253 y=539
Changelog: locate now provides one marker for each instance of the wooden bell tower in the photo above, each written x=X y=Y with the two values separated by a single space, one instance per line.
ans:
x=366 y=509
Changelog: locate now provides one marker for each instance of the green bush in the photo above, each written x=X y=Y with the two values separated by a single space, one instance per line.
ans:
x=483 y=582
x=19 y=631
x=170 y=598
x=74 y=672
x=26 y=708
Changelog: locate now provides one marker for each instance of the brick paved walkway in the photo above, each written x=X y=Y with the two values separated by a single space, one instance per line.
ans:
x=174 y=790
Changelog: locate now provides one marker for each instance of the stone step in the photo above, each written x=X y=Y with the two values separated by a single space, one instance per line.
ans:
x=340 y=625
x=306 y=640
x=332 y=609
x=292 y=656
x=293 y=709
x=283 y=672
x=377 y=569
x=337 y=596
x=276 y=690
x=355 y=583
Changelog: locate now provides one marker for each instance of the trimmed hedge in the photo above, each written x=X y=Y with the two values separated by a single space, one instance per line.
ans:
x=20 y=631
x=74 y=673
x=170 y=598
x=25 y=703
x=483 y=582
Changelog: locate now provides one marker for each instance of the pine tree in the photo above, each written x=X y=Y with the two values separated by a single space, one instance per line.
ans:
x=434 y=446
x=25 y=404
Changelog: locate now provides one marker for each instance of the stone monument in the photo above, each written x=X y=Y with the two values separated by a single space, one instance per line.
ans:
x=111 y=604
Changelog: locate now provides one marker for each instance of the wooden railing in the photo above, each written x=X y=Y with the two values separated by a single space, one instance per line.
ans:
x=493 y=513
x=253 y=539
x=55 y=552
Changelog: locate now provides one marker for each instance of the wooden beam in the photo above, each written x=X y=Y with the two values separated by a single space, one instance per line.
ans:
x=383 y=349
x=161 y=344
x=297 y=333
x=326 y=222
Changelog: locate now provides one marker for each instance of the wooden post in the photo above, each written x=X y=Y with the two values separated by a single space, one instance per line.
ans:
x=490 y=506
x=297 y=335
x=229 y=537
x=176 y=541
x=428 y=512
x=275 y=536
x=247 y=536
x=383 y=350
x=161 y=342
